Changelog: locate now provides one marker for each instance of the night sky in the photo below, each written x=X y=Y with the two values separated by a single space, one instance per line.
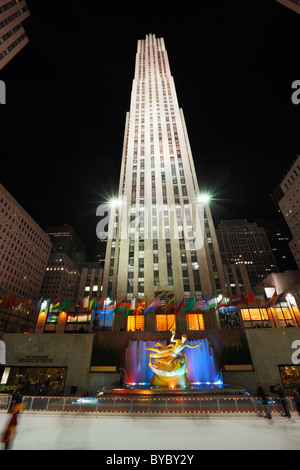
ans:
x=68 y=92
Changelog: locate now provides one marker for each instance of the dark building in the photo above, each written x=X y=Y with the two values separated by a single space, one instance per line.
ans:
x=12 y=34
x=279 y=239
x=65 y=240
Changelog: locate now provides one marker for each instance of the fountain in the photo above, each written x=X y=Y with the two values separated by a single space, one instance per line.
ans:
x=200 y=370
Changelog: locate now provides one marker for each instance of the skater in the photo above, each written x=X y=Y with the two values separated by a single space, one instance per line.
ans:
x=281 y=394
x=261 y=393
x=16 y=406
x=296 y=397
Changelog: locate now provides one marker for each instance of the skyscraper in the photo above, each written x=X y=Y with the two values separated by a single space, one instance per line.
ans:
x=12 y=34
x=292 y=4
x=161 y=236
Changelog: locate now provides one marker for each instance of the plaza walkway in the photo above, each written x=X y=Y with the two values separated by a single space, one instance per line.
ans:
x=94 y=431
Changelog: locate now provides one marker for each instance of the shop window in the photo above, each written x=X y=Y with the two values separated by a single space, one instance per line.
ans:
x=195 y=321
x=254 y=314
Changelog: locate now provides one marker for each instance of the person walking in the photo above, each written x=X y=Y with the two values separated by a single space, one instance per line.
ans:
x=261 y=393
x=281 y=394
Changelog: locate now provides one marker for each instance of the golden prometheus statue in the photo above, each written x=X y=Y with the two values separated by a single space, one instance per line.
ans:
x=170 y=365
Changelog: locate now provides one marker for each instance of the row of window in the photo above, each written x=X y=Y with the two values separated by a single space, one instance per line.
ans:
x=195 y=321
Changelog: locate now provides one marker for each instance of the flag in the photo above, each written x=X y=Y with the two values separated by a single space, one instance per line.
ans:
x=100 y=304
x=10 y=301
x=157 y=302
x=180 y=306
x=84 y=303
x=249 y=298
x=190 y=304
x=121 y=306
x=222 y=303
x=19 y=304
x=212 y=302
x=55 y=305
x=39 y=304
x=28 y=306
x=170 y=305
x=139 y=309
x=130 y=306
x=111 y=305
x=65 y=305
x=44 y=306
x=236 y=299
x=199 y=305
x=260 y=299
x=275 y=299
x=92 y=304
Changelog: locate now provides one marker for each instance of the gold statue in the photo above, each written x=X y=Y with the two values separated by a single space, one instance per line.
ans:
x=170 y=365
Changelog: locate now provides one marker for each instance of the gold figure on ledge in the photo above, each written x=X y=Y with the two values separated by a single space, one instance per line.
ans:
x=170 y=365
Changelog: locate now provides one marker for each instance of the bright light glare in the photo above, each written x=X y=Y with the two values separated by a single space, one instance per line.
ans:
x=115 y=202
x=203 y=198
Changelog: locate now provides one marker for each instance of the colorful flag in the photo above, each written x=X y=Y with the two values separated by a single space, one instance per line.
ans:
x=19 y=304
x=190 y=304
x=92 y=304
x=64 y=306
x=170 y=305
x=121 y=306
x=10 y=301
x=249 y=298
x=275 y=299
x=55 y=306
x=236 y=299
x=199 y=305
x=130 y=306
x=180 y=306
x=100 y=304
x=157 y=302
x=212 y=302
x=111 y=305
x=140 y=308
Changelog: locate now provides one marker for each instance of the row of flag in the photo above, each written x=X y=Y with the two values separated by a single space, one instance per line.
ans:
x=193 y=305
x=11 y=301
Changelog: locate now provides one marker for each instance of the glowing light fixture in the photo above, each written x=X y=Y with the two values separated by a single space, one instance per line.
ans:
x=115 y=202
x=203 y=198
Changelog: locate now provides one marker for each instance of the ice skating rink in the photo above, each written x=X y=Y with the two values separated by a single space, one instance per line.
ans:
x=82 y=431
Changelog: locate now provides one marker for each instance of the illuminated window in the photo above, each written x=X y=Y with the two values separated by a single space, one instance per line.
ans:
x=195 y=321
x=135 y=322
x=165 y=322
x=254 y=314
x=283 y=313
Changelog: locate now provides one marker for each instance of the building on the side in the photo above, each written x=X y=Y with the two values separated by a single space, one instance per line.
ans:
x=12 y=34
x=279 y=239
x=245 y=244
x=288 y=201
x=161 y=236
x=291 y=4
x=24 y=249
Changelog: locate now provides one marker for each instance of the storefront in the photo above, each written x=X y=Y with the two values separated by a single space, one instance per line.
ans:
x=47 y=364
x=35 y=380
